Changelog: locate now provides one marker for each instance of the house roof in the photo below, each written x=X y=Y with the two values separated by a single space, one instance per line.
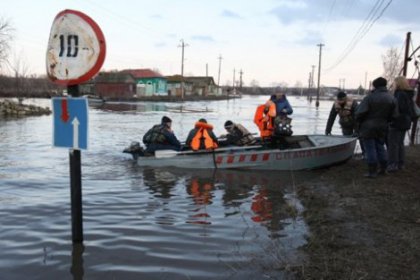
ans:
x=114 y=77
x=177 y=79
x=201 y=80
x=143 y=73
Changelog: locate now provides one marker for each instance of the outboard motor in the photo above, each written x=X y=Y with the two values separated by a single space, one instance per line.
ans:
x=283 y=126
x=135 y=150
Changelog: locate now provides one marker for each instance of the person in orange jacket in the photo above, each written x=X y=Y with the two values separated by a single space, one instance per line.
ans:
x=264 y=117
x=201 y=137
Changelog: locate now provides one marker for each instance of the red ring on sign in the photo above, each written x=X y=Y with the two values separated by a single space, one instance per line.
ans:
x=102 y=49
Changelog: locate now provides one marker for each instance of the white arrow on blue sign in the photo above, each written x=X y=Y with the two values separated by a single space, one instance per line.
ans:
x=70 y=122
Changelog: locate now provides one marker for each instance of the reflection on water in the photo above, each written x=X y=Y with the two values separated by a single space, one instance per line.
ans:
x=195 y=225
x=130 y=107
x=77 y=261
x=159 y=182
x=142 y=223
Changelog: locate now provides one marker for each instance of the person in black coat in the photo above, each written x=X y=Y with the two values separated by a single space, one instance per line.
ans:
x=403 y=95
x=374 y=114
x=161 y=137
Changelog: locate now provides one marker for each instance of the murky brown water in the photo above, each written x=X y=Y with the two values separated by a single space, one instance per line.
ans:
x=146 y=223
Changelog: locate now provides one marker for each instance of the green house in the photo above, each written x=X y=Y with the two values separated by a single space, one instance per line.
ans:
x=148 y=82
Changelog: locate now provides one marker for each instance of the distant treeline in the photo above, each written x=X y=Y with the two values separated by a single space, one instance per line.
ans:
x=28 y=87
x=295 y=91
x=43 y=87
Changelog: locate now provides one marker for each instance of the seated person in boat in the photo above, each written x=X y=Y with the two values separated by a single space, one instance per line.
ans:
x=161 y=137
x=201 y=137
x=237 y=135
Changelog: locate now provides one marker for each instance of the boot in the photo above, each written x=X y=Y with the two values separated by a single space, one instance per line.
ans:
x=372 y=171
x=383 y=168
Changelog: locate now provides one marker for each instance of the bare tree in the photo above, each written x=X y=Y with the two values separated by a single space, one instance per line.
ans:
x=6 y=36
x=254 y=83
x=21 y=73
x=298 y=84
x=392 y=63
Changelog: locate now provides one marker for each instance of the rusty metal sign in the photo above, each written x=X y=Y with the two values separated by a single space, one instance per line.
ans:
x=76 y=48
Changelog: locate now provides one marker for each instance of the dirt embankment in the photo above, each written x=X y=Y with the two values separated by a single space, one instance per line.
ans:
x=363 y=228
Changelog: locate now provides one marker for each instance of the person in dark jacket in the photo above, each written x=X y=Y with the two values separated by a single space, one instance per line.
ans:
x=345 y=108
x=201 y=136
x=238 y=135
x=161 y=137
x=283 y=107
x=374 y=114
x=403 y=95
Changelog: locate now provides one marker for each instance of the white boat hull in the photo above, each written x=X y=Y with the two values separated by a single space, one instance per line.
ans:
x=327 y=150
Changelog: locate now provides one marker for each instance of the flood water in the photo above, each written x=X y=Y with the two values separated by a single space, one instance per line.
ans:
x=147 y=223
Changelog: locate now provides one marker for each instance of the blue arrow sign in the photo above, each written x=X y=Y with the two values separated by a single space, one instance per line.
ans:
x=70 y=122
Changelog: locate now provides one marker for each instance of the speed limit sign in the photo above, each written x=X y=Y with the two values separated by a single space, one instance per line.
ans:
x=76 y=48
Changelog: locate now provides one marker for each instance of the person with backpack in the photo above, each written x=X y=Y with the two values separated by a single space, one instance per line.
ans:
x=161 y=137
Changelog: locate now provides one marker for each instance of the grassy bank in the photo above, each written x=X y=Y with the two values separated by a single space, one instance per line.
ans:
x=363 y=228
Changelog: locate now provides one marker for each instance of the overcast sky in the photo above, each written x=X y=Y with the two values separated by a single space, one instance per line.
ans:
x=271 y=41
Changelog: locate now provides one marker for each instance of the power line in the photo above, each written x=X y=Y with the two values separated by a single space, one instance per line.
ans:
x=369 y=17
x=329 y=14
x=363 y=30
x=122 y=19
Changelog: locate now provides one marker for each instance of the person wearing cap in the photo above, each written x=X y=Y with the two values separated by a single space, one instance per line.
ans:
x=237 y=135
x=283 y=107
x=374 y=115
x=201 y=137
x=345 y=108
x=161 y=137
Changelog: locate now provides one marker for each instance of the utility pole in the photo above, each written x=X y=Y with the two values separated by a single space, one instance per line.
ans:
x=240 y=78
x=183 y=45
x=220 y=66
x=234 y=72
x=344 y=84
x=365 y=82
x=309 y=80
x=207 y=69
x=406 y=60
x=407 y=49
x=320 y=45
x=312 y=76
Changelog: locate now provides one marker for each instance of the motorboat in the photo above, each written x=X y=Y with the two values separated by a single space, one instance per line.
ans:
x=298 y=152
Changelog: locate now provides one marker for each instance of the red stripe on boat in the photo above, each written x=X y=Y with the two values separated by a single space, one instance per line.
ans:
x=254 y=157
x=265 y=157
x=242 y=158
x=230 y=159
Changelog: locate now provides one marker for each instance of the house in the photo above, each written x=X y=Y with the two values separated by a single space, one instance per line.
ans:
x=203 y=86
x=148 y=82
x=115 y=85
x=112 y=85
x=174 y=85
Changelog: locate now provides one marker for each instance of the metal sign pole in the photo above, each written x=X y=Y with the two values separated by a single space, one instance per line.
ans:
x=76 y=52
x=76 y=185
